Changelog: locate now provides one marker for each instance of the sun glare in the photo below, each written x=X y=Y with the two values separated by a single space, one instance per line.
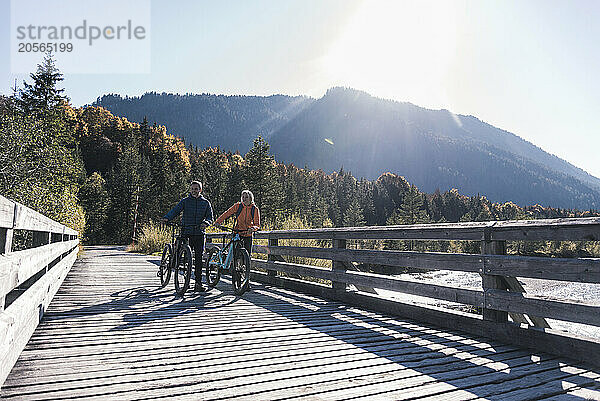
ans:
x=396 y=49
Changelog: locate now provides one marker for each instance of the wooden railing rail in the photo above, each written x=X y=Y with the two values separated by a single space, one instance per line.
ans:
x=580 y=229
x=501 y=294
x=29 y=278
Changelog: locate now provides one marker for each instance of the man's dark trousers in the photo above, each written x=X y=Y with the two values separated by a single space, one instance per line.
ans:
x=197 y=245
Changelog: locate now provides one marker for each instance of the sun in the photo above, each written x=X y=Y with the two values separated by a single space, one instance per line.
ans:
x=396 y=49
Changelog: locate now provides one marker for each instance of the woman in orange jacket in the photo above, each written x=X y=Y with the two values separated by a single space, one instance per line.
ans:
x=247 y=218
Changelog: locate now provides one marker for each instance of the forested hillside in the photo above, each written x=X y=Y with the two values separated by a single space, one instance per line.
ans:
x=99 y=173
x=228 y=122
x=369 y=136
x=432 y=149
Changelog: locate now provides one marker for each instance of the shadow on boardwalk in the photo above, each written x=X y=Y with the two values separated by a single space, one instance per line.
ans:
x=140 y=306
x=495 y=372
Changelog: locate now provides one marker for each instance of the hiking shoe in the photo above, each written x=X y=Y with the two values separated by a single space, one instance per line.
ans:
x=199 y=288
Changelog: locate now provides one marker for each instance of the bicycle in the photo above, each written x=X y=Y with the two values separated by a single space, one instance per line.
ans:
x=177 y=257
x=232 y=258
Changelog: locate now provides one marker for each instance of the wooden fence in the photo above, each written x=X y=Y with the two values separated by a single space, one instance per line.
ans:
x=29 y=278
x=502 y=294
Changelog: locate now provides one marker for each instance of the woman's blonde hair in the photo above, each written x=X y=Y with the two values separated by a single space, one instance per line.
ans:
x=246 y=191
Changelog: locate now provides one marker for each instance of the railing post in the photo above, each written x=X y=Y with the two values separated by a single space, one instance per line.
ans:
x=272 y=242
x=491 y=282
x=6 y=237
x=338 y=266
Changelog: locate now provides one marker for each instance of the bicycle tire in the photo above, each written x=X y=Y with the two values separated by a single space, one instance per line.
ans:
x=240 y=271
x=183 y=271
x=164 y=270
x=212 y=270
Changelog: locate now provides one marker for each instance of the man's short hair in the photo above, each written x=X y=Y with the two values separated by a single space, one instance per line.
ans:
x=197 y=183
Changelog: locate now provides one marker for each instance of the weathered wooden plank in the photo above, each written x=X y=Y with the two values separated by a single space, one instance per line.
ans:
x=17 y=267
x=70 y=231
x=338 y=267
x=19 y=320
x=363 y=288
x=272 y=242
x=577 y=391
x=565 y=229
x=515 y=286
x=443 y=231
x=532 y=305
x=29 y=219
x=537 y=387
x=379 y=281
x=490 y=281
x=7 y=212
x=6 y=240
x=424 y=260
x=583 y=270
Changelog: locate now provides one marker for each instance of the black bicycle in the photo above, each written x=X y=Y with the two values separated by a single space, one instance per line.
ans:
x=232 y=258
x=177 y=257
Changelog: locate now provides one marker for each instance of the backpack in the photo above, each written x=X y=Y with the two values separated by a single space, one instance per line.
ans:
x=241 y=207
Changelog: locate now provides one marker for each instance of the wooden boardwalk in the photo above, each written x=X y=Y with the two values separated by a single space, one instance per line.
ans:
x=111 y=333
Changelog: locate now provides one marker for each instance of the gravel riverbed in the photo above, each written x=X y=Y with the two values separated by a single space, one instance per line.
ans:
x=552 y=290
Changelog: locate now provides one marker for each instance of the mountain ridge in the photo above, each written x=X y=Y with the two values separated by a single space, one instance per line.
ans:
x=434 y=149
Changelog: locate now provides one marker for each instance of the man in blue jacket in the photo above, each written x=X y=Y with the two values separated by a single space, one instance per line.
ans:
x=197 y=215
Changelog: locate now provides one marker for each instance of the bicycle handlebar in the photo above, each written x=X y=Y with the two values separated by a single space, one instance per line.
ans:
x=228 y=228
x=175 y=224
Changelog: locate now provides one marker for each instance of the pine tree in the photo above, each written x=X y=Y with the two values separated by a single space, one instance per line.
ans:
x=214 y=167
x=43 y=95
x=260 y=176
x=235 y=180
x=123 y=184
x=412 y=209
x=354 y=215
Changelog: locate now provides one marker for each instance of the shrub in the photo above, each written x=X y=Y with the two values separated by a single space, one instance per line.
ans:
x=152 y=239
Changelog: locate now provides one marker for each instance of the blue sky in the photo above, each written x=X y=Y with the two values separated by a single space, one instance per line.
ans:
x=530 y=67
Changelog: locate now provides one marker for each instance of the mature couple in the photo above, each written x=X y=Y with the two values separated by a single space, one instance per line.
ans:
x=198 y=214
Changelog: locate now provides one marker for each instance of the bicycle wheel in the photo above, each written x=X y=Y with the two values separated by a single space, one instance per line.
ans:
x=183 y=271
x=164 y=270
x=240 y=273
x=213 y=267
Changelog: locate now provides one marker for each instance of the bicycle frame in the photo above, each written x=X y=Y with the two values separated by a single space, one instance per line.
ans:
x=180 y=261
x=218 y=262
x=230 y=247
x=178 y=240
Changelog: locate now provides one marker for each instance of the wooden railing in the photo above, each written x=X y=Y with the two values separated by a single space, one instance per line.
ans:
x=502 y=294
x=29 y=278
